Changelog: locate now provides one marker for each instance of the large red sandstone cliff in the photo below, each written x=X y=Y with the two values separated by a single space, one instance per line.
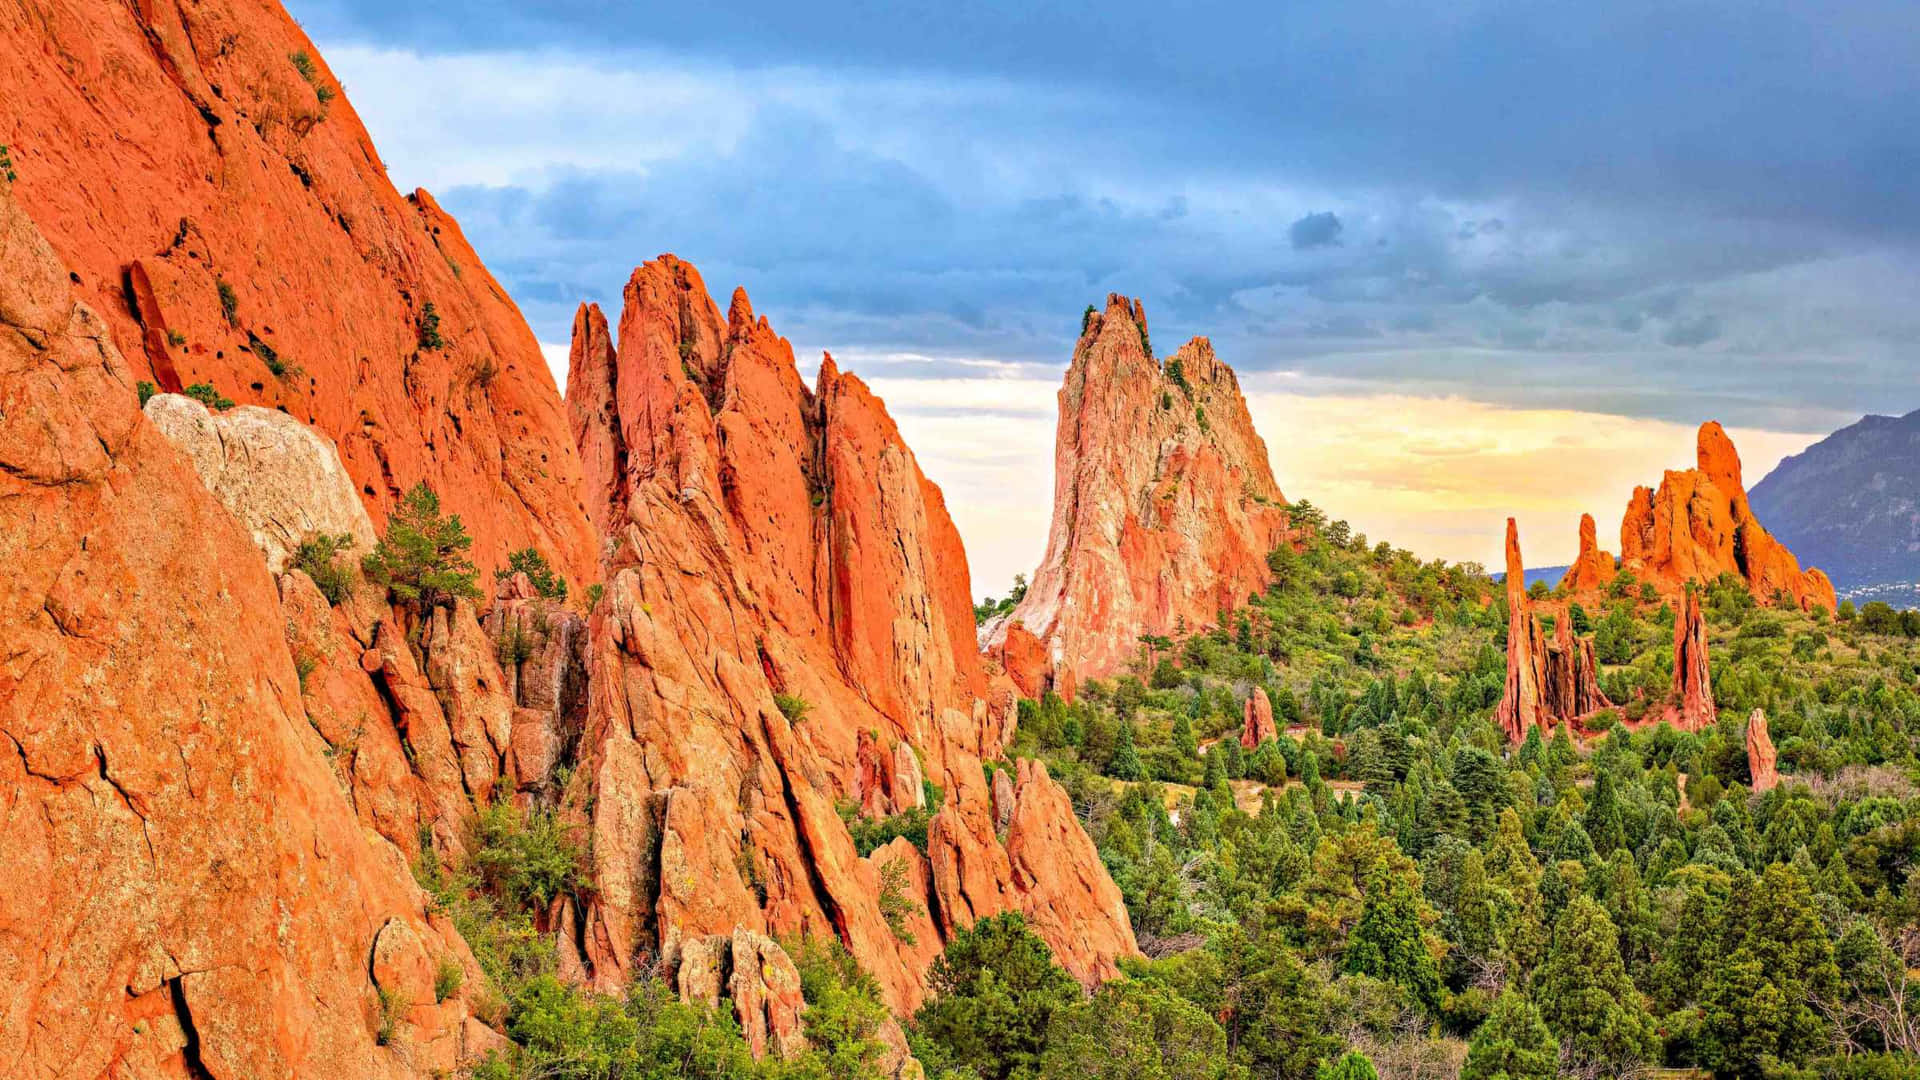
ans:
x=198 y=170
x=1697 y=526
x=185 y=889
x=787 y=631
x=1164 y=507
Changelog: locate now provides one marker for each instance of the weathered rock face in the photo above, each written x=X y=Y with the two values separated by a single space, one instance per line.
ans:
x=1761 y=758
x=1164 y=507
x=1548 y=683
x=224 y=212
x=1257 y=726
x=787 y=629
x=184 y=889
x=1594 y=568
x=1692 y=682
x=1698 y=525
x=279 y=477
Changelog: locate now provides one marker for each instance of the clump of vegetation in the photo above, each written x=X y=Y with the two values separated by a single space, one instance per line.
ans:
x=989 y=608
x=594 y=592
x=304 y=64
x=422 y=559
x=393 y=1006
x=1177 y=374
x=895 y=906
x=447 y=979
x=429 y=336
x=205 y=394
x=145 y=390
x=529 y=561
x=229 y=301
x=318 y=557
x=516 y=645
x=1086 y=320
x=268 y=355
x=793 y=707
x=6 y=163
x=175 y=338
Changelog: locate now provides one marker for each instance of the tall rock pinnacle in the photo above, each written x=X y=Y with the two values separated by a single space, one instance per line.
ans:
x=788 y=628
x=1164 y=507
x=1698 y=525
x=1548 y=683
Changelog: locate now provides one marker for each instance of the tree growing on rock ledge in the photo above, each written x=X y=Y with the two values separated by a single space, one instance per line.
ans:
x=422 y=560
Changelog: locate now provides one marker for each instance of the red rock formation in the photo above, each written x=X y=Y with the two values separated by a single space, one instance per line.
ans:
x=1692 y=685
x=1761 y=758
x=1164 y=508
x=1593 y=569
x=1258 y=725
x=186 y=891
x=228 y=218
x=1698 y=526
x=787 y=628
x=1547 y=683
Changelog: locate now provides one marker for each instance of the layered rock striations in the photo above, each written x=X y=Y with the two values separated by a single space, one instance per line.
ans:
x=186 y=889
x=787 y=635
x=1698 y=525
x=1164 y=510
x=199 y=171
x=1548 y=682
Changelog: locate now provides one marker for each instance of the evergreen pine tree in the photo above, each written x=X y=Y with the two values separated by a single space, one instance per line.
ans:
x=1585 y=995
x=1126 y=760
x=1512 y=1044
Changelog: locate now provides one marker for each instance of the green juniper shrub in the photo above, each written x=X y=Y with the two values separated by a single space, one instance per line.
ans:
x=422 y=559
x=205 y=394
x=529 y=561
x=429 y=337
x=318 y=556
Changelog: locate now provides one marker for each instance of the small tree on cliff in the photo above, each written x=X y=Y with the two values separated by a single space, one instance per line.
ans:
x=422 y=560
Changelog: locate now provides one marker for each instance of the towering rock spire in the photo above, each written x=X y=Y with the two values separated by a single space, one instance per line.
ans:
x=1593 y=569
x=1698 y=525
x=1761 y=759
x=1164 y=509
x=1520 y=703
x=1692 y=685
x=787 y=628
x=1547 y=683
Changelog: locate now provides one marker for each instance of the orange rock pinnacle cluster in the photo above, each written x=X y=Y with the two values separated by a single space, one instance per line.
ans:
x=1164 y=507
x=1695 y=527
x=1548 y=683
x=787 y=628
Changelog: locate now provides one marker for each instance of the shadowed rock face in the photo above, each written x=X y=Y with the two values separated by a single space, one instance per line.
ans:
x=186 y=890
x=230 y=225
x=787 y=629
x=1692 y=683
x=1164 y=507
x=1698 y=525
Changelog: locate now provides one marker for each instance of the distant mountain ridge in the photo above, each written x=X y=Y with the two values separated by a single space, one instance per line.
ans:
x=1850 y=503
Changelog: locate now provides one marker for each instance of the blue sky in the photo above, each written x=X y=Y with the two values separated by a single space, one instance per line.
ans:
x=1645 y=214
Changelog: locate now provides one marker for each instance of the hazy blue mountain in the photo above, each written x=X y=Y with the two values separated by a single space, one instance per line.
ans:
x=1850 y=505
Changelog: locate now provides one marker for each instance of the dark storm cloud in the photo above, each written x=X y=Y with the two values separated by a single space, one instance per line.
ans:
x=1506 y=200
x=1314 y=230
